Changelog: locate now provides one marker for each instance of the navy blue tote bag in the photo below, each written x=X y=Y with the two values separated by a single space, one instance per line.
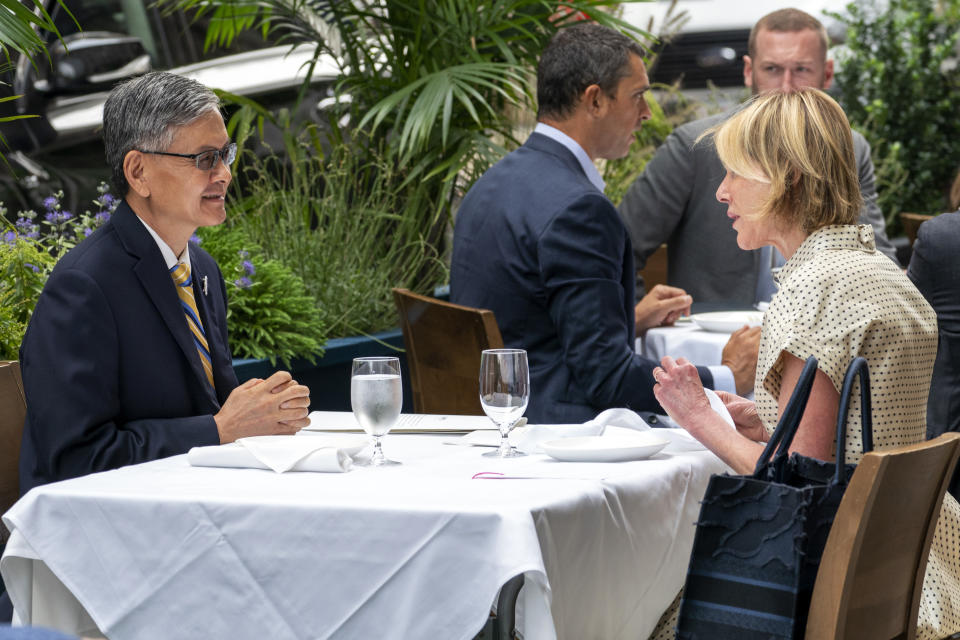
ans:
x=760 y=537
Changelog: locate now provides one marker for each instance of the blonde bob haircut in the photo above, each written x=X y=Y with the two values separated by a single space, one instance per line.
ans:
x=798 y=142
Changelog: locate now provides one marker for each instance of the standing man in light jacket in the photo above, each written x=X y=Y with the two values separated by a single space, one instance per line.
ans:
x=674 y=200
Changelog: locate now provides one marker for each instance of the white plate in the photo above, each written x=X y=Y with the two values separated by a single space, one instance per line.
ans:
x=727 y=321
x=351 y=444
x=605 y=448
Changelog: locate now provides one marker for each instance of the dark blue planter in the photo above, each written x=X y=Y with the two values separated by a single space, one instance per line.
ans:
x=329 y=378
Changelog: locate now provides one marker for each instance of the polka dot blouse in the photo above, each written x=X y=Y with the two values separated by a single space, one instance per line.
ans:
x=839 y=298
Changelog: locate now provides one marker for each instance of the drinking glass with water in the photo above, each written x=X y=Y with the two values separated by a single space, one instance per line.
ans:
x=376 y=398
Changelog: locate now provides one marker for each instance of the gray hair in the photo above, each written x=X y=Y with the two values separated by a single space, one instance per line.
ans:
x=145 y=112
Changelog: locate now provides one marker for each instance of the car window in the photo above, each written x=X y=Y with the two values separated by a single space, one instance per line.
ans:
x=172 y=39
x=92 y=15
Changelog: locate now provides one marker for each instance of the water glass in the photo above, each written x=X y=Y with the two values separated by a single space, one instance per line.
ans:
x=376 y=398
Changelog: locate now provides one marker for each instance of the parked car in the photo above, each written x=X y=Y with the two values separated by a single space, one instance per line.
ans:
x=62 y=148
x=712 y=37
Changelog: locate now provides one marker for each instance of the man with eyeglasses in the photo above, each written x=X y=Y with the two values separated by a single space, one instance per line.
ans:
x=674 y=200
x=126 y=357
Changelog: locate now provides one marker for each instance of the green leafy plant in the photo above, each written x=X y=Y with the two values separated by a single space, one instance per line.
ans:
x=24 y=268
x=269 y=312
x=899 y=83
x=29 y=249
x=346 y=222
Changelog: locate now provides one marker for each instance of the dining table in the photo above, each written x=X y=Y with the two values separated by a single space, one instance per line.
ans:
x=699 y=342
x=165 y=549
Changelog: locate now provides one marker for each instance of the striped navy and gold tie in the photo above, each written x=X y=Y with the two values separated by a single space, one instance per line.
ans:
x=184 y=281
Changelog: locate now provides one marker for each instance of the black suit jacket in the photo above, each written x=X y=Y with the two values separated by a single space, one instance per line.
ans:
x=110 y=370
x=541 y=247
x=935 y=269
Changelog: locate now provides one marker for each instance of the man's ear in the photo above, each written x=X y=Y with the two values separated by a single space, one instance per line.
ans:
x=594 y=100
x=747 y=71
x=827 y=74
x=135 y=171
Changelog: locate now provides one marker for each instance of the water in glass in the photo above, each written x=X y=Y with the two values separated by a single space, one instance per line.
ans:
x=376 y=398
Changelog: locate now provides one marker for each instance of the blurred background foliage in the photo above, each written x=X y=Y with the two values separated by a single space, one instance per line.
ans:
x=899 y=83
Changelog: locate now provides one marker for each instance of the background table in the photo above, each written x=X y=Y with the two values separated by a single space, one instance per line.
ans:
x=165 y=550
x=684 y=340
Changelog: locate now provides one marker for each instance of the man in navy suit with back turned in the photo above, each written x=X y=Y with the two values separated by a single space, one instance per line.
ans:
x=126 y=357
x=538 y=243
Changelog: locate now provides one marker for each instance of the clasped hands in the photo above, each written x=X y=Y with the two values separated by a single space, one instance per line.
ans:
x=277 y=405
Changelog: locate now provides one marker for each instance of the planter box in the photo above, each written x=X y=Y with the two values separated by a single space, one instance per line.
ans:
x=329 y=378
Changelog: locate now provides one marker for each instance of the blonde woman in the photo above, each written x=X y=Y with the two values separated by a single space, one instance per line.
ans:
x=791 y=183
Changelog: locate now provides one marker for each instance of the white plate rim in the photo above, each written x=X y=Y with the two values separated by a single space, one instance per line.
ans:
x=617 y=449
x=727 y=321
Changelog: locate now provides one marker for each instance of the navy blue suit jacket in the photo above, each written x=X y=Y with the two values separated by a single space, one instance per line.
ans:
x=540 y=246
x=110 y=370
x=935 y=270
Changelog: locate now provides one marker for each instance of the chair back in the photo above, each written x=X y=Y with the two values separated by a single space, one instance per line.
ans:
x=13 y=411
x=871 y=573
x=443 y=342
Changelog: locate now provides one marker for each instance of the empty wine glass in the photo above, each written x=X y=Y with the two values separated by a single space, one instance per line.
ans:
x=376 y=397
x=504 y=393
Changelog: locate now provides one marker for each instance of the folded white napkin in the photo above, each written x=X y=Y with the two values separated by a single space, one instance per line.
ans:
x=279 y=453
x=613 y=422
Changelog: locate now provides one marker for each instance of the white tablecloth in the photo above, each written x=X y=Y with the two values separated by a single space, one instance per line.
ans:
x=685 y=340
x=166 y=550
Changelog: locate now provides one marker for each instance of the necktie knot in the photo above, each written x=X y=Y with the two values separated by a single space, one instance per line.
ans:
x=181 y=274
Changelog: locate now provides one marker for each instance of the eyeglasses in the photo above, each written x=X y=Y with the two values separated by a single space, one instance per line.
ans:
x=205 y=160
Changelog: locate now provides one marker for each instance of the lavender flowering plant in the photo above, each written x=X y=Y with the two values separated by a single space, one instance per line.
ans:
x=29 y=249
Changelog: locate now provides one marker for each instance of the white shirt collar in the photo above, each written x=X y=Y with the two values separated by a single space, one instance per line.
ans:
x=585 y=162
x=168 y=255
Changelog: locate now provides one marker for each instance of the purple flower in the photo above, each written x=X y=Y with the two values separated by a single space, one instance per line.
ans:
x=102 y=217
x=249 y=268
x=243 y=283
x=33 y=235
x=195 y=239
x=107 y=200
x=25 y=225
x=50 y=203
x=243 y=253
x=10 y=237
x=87 y=231
x=35 y=268
x=55 y=217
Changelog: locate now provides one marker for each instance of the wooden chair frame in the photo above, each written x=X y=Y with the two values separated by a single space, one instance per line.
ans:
x=872 y=570
x=13 y=410
x=443 y=342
